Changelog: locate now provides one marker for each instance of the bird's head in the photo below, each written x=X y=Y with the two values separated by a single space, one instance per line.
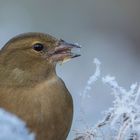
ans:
x=36 y=53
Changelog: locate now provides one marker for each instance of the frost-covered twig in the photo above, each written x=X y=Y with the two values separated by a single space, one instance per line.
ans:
x=87 y=134
x=123 y=129
x=125 y=103
x=92 y=78
x=123 y=118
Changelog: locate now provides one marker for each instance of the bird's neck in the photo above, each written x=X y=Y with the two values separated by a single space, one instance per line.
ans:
x=19 y=77
x=21 y=69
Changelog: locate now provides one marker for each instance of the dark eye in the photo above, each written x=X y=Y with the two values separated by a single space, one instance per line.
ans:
x=38 y=47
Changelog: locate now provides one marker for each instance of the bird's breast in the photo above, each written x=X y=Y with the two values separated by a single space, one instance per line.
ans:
x=47 y=108
x=56 y=107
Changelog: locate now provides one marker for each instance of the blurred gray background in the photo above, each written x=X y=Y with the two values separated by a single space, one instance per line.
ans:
x=106 y=29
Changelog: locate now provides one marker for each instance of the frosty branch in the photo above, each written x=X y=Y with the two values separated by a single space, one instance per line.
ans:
x=123 y=118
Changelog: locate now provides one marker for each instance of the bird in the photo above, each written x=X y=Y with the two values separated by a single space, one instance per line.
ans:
x=30 y=87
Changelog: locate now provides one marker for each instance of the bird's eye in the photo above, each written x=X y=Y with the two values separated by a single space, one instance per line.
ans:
x=38 y=47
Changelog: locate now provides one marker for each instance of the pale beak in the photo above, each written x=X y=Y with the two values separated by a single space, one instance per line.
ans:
x=63 y=52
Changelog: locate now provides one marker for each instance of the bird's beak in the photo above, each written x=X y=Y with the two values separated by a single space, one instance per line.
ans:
x=64 y=51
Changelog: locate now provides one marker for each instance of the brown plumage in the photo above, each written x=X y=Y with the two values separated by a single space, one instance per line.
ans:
x=30 y=87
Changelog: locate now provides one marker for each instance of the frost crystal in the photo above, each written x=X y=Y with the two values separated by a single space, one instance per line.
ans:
x=93 y=78
x=123 y=118
x=125 y=110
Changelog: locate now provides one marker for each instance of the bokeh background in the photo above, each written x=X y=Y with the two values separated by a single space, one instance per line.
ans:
x=106 y=29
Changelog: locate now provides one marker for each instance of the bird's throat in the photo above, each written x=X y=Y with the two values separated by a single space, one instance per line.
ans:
x=17 y=77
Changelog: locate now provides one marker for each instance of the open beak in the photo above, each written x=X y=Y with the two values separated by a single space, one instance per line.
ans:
x=64 y=52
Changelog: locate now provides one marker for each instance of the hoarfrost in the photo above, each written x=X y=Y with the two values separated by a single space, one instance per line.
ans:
x=123 y=118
